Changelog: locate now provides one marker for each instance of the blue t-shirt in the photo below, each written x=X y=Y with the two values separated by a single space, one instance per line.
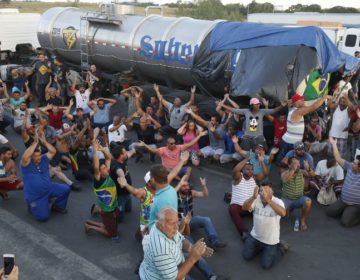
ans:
x=229 y=144
x=306 y=156
x=102 y=115
x=256 y=164
x=36 y=179
x=165 y=197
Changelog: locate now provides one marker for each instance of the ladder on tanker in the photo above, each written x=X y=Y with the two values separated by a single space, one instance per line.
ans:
x=86 y=37
x=84 y=45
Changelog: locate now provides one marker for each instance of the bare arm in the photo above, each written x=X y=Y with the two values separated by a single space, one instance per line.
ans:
x=160 y=97
x=192 y=96
x=26 y=158
x=195 y=140
x=197 y=118
x=150 y=149
x=204 y=193
x=300 y=112
x=287 y=175
x=337 y=155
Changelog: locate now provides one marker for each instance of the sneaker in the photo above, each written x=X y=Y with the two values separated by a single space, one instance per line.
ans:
x=75 y=188
x=59 y=210
x=284 y=246
x=217 y=245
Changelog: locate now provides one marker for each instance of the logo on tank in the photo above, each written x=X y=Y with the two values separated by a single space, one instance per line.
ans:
x=69 y=36
x=171 y=50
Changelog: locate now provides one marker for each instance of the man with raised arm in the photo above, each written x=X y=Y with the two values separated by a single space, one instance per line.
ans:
x=41 y=194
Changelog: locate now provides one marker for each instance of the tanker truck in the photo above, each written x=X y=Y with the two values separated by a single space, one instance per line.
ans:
x=180 y=52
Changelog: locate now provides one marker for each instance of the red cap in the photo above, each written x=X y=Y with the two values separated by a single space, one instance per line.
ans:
x=297 y=97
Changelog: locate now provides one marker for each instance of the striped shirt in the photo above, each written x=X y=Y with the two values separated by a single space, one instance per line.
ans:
x=294 y=188
x=162 y=256
x=350 y=193
x=295 y=131
x=242 y=191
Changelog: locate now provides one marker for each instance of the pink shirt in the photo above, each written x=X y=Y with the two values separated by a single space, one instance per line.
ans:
x=187 y=138
x=170 y=159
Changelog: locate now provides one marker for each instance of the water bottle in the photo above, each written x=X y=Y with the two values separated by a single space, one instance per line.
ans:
x=297 y=224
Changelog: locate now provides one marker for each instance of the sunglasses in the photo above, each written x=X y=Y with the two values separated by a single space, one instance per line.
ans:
x=171 y=143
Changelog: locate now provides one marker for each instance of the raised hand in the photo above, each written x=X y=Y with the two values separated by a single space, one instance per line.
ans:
x=274 y=151
x=184 y=156
x=156 y=87
x=265 y=102
x=193 y=89
x=235 y=139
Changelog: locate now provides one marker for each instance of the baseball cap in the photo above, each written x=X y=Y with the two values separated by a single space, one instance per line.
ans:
x=260 y=146
x=299 y=146
x=254 y=101
x=15 y=89
x=297 y=97
x=147 y=177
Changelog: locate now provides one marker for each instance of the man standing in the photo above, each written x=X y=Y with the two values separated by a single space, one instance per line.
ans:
x=41 y=194
x=340 y=123
x=265 y=235
x=295 y=122
x=293 y=190
x=348 y=206
x=42 y=70
x=118 y=170
x=163 y=253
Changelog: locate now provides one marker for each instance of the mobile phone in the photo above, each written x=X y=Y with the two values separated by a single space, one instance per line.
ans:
x=9 y=262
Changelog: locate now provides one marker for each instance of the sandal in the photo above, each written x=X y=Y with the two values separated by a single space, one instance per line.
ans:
x=303 y=227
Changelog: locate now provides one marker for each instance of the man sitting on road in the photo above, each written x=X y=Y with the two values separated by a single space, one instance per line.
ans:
x=243 y=186
x=293 y=190
x=185 y=207
x=163 y=253
x=41 y=194
x=170 y=154
x=348 y=206
x=265 y=235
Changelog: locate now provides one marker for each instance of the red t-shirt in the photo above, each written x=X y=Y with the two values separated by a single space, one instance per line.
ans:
x=55 y=120
x=280 y=129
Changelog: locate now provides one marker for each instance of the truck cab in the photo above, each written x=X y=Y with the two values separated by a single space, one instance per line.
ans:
x=351 y=41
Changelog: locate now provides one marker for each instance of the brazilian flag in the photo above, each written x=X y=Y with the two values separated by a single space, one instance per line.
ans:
x=317 y=85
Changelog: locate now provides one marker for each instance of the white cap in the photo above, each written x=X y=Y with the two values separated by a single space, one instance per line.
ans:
x=147 y=177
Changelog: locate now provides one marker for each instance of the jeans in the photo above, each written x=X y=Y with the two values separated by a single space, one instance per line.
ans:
x=207 y=225
x=236 y=212
x=270 y=254
x=350 y=214
x=125 y=205
x=202 y=265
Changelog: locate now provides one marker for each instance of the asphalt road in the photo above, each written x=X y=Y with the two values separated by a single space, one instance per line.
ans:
x=59 y=248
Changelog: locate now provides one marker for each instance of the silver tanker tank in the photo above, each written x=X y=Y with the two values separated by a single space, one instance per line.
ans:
x=160 y=48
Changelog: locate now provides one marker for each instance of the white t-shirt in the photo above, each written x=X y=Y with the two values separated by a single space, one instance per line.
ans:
x=117 y=135
x=340 y=121
x=336 y=171
x=82 y=99
x=20 y=115
x=3 y=139
x=266 y=227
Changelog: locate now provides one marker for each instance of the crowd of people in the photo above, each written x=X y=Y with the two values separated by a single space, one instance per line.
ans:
x=315 y=150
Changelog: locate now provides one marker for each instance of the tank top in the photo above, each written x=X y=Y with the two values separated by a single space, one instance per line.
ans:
x=145 y=207
x=295 y=131
x=106 y=196
x=242 y=191
x=187 y=138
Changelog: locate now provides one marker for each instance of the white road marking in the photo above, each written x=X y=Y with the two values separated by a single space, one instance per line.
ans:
x=69 y=261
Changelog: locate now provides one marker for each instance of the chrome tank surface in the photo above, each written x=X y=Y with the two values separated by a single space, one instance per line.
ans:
x=161 y=48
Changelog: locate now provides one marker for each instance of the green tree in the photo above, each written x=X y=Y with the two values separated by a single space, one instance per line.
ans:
x=339 y=9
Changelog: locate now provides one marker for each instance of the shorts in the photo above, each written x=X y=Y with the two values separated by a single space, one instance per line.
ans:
x=209 y=151
x=10 y=186
x=194 y=155
x=110 y=221
x=182 y=171
x=291 y=204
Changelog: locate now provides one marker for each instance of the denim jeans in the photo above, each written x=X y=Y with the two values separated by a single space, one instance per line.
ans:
x=125 y=205
x=270 y=254
x=207 y=225
x=202 y=265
